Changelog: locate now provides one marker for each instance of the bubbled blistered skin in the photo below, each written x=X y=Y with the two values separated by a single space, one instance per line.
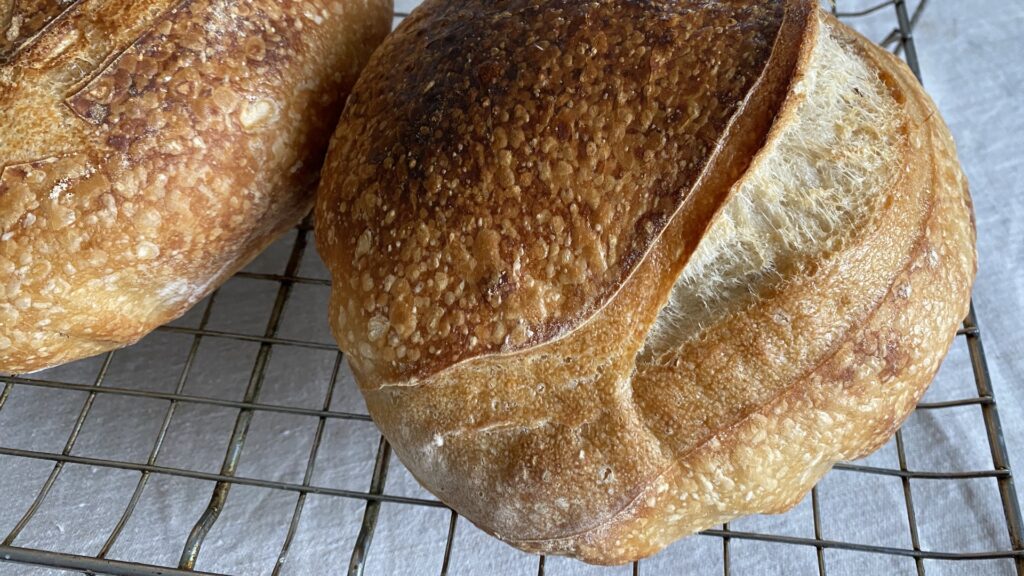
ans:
x=492 y=198
x=593 y=444
x=150 y=149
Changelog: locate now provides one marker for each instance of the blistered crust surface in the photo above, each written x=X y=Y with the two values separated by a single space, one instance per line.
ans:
x=850 y=404
x=152 y=148
x=557 y=422
x=585 y=447
x=23 y=19
x=505 y=165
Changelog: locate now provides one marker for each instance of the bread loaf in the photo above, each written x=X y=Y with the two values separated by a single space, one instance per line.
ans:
x=611 y=272
x=148 y=150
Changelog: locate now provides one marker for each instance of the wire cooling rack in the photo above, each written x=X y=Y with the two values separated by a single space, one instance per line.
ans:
x=238 y=414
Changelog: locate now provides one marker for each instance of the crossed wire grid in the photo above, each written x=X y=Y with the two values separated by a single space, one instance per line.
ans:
x=900 y=41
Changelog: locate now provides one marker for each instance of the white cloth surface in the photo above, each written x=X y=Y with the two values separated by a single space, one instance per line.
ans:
x=972 y=56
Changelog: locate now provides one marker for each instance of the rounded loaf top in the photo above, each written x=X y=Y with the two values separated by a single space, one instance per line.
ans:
x=505 y=166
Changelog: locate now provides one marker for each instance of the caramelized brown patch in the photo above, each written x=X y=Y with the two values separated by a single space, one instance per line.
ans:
x=123 y=76
x=21 y=20
x=176 y=60
x=185 y=135
x=565 y=143
x=39 y=191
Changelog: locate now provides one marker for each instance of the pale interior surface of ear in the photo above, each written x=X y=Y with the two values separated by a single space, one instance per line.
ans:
x=824 y=168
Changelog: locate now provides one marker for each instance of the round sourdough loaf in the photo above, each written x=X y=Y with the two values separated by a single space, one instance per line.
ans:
x=150 y=149
x=612 y=272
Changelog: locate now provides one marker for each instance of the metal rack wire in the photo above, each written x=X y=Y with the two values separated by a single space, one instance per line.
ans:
x=11 y=554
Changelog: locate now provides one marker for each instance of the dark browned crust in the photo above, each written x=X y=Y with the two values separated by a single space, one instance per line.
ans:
x=602 y=351
x=443 y=211
x=20 y=20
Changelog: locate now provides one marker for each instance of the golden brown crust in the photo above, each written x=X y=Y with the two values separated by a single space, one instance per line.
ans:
x=844 y=408
x=526 y=405
x=857 y=392
x=587 y=447
x=487 y=202
x=20 y=21
x=150 y=149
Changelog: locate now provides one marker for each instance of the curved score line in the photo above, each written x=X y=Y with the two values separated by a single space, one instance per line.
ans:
x=91 y=100
x=23 y=22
